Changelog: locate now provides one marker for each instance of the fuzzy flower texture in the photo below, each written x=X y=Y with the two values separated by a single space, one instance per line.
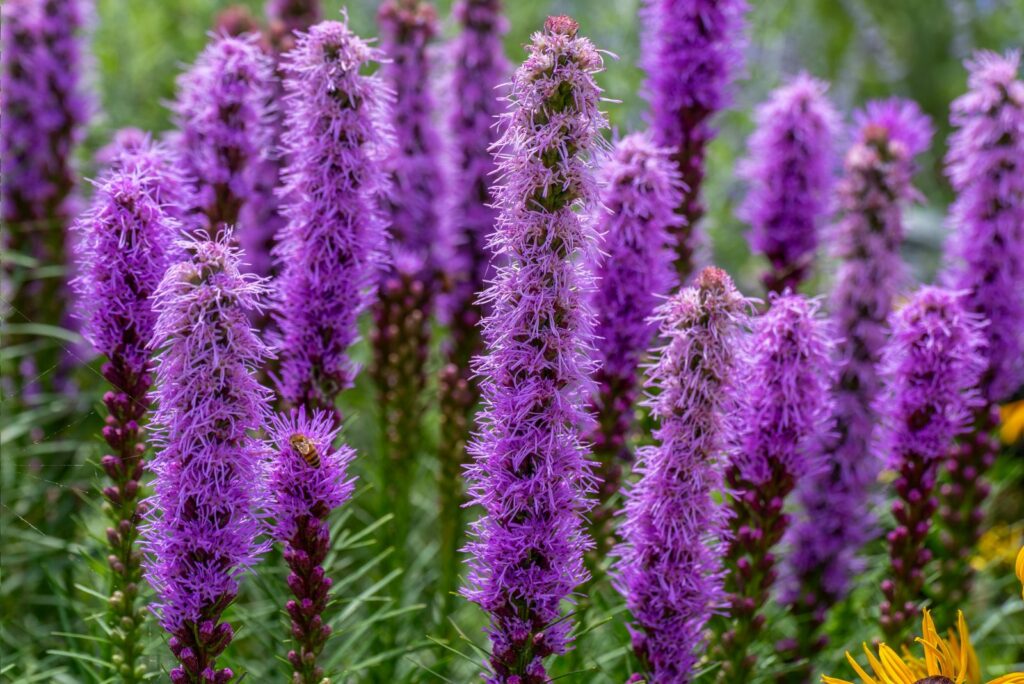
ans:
x=668 y=567
x=201 y=536
x=530 y=474
x=332 y=247
x=789 y=169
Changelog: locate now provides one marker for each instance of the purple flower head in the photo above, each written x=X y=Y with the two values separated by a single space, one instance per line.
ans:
x=202 y=534
x=986 y=167
x=790 y=172
x=693 y=50
x=787 y=401
x=668 y=564
x=135 y=151
x=530 y=474
x=331 y=251
x=126 y=240
x=224 y=115
x=932 y=362
x=407 y=27
x=479 y=69
x=875 y=187
x=43 y=105
x=307 y=473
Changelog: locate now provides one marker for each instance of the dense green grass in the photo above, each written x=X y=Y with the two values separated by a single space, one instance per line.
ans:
x=387 y=618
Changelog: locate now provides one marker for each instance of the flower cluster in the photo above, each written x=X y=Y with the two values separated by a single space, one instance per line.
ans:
x=783 y=416
x=530 y=474
x=668 y=567
x=641 y=190
x=307 y=479
x=333 y=246
x=125 y=243
x=223 y=111
x=933 y=362
x=694 y=48
x=872 y=193
x=201 y=532
x=790 y=169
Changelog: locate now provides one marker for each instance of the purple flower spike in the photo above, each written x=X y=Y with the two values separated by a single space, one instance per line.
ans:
x=224 y=115
x=530 y=474
x=785 y=413
x=200 y=536
x=668 y=568
x=44 y=111
x=693 y=50
x=332 y=248
x=307 y=480
x=933 y=363
x=875 y=187
x=125 y=243
x=479 y=68
x=641 y=192
x=134 y=151
x=790 y=171
x=985 y=165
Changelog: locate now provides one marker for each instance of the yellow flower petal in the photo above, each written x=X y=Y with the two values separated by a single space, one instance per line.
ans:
x=1020 y=569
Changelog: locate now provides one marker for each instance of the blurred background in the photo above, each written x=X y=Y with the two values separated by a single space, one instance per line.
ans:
x=52 y=546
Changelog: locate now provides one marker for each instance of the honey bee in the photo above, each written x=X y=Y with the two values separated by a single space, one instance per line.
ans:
x=306 y=449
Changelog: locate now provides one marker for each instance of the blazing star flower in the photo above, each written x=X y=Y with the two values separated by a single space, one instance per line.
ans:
x=985 y=165
x=530 y=474
x=789 y=170
x=135 y=151
x=224 y=116
x=641 y=191
x=875 y=187
x=784 y=414
x=952 y=660
x=201 y=533
x=332 y=248
x=479 y=67
x=125 y=243
x=307 y=479
x=668 y=564
x=933 y=361
x=693 y=51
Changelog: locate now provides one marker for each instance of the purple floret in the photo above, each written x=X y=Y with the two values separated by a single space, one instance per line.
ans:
x=332 y=249
x=790 y=172
x=531 y=476
x=669 y=567
x=201 y=536
x=224 y=115
x=692 y=51
x=641 y=191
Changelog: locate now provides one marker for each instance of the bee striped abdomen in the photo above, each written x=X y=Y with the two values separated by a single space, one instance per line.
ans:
x=306 y=449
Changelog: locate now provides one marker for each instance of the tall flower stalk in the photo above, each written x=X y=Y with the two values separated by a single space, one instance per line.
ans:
x=202 y=526
x=307 y=480
x=331 y=252
x=44 y=112
x=668 y=567
x=782 y=419
x=933 y=362
x=125 y=243
x=479 y=68
x=789 y=168
x=693 y=50
x=530 y=473
x=985 y=165
x=875 y=187
x=224 y=116
x=641 y=189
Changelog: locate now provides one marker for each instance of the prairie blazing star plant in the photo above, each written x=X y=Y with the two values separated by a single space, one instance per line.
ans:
x=668 y=567
x=202 y=523
x=531 y=475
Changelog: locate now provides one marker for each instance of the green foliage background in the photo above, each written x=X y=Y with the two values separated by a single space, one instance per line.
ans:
x=388 y=628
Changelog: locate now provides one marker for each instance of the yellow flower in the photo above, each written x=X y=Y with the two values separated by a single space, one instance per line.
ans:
x=1020 y=569
x=998 y=546
x=1011 y=421
x=945 y=661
